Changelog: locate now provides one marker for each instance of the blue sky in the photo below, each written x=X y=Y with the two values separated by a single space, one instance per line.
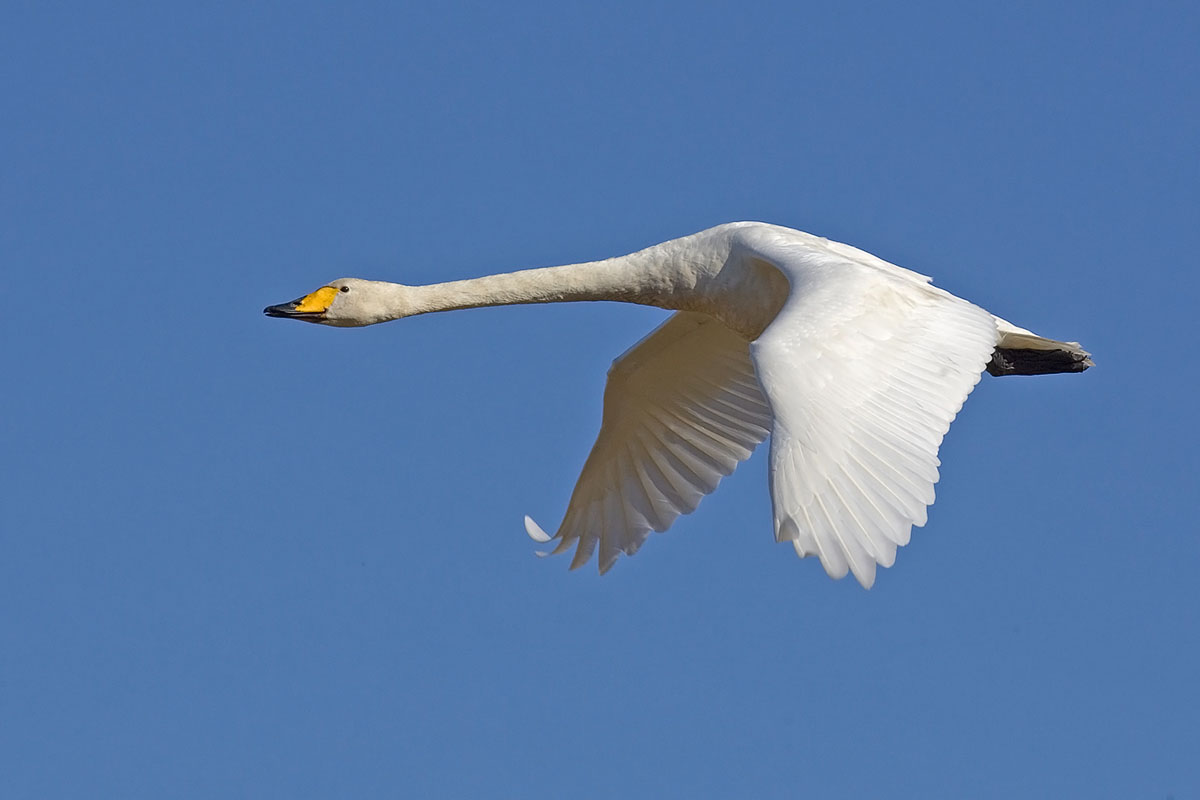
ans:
x=244 y=558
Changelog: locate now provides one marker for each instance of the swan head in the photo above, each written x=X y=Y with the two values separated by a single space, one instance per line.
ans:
x=347 y=303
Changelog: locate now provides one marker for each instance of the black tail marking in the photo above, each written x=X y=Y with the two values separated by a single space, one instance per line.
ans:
x=1022 y=361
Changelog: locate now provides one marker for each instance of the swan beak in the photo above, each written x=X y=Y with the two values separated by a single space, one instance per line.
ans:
x=290 y=311
x=311 y=307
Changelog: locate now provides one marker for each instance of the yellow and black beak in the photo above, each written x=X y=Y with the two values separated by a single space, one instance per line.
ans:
x=311 y=307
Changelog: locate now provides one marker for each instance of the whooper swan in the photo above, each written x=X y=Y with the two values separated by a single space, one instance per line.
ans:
x=854 y=366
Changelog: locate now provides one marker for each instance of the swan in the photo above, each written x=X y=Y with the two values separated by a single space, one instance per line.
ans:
x=853 y=366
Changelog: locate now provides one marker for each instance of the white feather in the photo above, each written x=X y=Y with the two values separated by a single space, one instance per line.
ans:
x=681 y=409
x=864 y=371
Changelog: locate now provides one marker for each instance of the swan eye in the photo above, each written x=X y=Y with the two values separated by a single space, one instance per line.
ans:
x=345 y=288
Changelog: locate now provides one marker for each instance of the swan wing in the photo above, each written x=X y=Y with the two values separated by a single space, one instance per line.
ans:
x=681 y=408
x=864 y=368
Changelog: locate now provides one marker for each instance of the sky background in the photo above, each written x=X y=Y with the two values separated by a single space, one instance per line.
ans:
x=244 y=557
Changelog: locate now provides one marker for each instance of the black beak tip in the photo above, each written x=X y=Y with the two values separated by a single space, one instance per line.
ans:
x=288 y=311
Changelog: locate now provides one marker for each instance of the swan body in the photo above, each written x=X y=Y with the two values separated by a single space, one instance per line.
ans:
x=854 y=367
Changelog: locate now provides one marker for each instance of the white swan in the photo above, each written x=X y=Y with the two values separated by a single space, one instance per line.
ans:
x=854 y=366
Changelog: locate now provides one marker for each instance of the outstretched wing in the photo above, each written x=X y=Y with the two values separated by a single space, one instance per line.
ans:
x=682 y=407
x=865 y=367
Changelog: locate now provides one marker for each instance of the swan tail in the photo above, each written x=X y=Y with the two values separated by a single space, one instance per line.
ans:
x=1022 y=352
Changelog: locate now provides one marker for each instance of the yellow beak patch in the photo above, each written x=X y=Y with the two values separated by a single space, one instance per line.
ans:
x=318 y=301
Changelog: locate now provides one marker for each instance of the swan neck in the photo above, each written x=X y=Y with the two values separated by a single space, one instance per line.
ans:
x=636 y=278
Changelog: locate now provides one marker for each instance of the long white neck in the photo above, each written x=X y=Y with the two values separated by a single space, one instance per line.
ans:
x=694 y=273
x=648 y=277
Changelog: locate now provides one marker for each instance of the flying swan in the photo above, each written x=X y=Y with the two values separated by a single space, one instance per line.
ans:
x=854 y=366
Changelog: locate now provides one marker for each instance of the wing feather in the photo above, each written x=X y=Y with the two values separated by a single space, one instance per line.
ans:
x=681 y=409
x=864 y=368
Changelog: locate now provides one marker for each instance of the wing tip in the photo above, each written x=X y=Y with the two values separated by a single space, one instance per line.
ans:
x=865 y=575
x=535 y=532
x=844 y=565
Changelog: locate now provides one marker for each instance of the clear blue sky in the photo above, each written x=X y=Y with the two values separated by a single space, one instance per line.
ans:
x=242 y=557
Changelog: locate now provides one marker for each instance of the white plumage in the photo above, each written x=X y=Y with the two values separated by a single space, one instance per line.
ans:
x=682 y=408
x=855 y=367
